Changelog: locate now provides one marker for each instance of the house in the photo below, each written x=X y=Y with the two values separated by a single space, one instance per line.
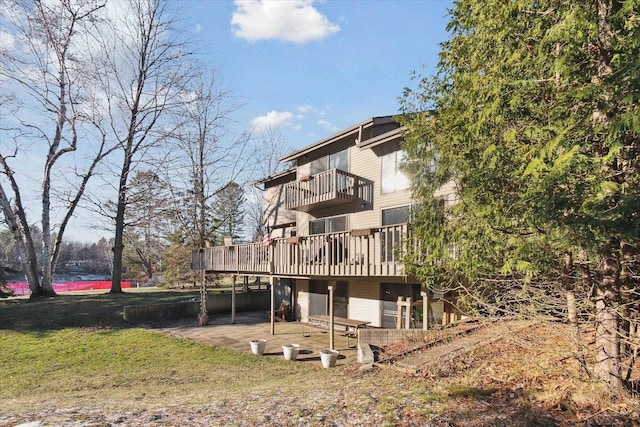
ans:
x=338 y=221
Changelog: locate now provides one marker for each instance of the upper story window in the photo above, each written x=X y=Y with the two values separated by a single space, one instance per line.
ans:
x=339 y=160
x=392 y=177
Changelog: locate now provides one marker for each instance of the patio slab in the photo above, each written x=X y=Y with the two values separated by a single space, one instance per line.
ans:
x=221 y=332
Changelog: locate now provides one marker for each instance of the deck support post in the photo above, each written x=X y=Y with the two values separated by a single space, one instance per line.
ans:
x=233 y=299
x=331 y=288
x=425 y=309
x=407 y=313
x=272 y=289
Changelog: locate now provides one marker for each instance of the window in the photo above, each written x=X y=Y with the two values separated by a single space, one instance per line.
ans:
x=399 y=215
x=339 y=160
x=392 y=178
x=391 y=239
x=328 y=225
x=318 y=286
x=336 y=245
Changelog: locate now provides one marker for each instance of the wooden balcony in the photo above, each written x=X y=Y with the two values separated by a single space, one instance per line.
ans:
x=331 y=188
x=356 y=253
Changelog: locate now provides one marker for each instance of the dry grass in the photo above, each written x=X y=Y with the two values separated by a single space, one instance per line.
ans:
x=528 y=377
x=84 y=367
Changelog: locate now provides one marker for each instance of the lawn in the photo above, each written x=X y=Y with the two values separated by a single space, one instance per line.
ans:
x=72 y=360
x=75 y=348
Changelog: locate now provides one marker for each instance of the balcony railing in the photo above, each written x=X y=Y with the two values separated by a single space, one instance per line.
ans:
x=368 y=252
x=331 y=188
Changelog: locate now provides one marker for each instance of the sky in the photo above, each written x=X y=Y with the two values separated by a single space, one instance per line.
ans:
x=304 y=69
x=308 y=69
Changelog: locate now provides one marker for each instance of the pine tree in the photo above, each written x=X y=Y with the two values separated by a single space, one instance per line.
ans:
x=534 y=115
x=228 y=211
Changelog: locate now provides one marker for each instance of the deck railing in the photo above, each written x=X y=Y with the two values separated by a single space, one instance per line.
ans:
x=332 y=187
x=368 y=252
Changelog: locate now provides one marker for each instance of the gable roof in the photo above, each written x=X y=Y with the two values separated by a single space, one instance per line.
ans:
x=381 y=139
x=355 y=129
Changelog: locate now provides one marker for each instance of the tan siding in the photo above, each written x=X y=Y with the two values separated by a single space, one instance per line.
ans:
x=397 y=198
x=302 y=221
x=275 y=211
x=364 y=302
x=302 y=287
x=448 y=193
x=304 y=170
x=364 y=163
x=367 y=164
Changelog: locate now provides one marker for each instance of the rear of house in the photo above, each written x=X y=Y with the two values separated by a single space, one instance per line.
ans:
x=338 y=217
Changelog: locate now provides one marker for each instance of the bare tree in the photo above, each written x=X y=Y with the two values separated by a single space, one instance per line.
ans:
x=205 y=158
x=273 y=147
x=49 y=103
x=144 y=69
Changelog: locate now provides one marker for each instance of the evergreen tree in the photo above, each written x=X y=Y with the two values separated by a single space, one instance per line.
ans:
x=536 y=122
x=228 y=210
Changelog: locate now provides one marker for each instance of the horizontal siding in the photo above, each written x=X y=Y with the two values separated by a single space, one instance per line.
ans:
x=364 y=303
x=397 y=198
x=304 y=170
x=367 y=164
x=362 y=289
x=364 y=163
x=302 y=288
x=302 y=222
x=448 y=193
x=276 y=213
x=365 y=309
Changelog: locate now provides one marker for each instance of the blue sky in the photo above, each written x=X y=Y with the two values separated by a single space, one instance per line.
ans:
x=303 y=68
x=311 y=68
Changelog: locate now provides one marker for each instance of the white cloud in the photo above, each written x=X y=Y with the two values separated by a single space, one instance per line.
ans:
x=295 y=21
x=198 y=28
x=327 y=125
x=272 y=120
x=305 y=109
x=7 y=42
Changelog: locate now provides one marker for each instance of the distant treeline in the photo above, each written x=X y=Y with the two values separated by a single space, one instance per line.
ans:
x=75 y=257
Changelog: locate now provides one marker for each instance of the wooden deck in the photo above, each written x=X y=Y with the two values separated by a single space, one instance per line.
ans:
x=356 y=253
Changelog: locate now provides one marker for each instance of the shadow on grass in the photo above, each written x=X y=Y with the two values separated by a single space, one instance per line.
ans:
x=95 y=310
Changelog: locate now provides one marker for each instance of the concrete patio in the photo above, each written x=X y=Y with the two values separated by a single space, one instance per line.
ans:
x=221 y=332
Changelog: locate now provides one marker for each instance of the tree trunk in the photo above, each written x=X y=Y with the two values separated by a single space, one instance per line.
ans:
x=572 y=315
x=569 y=286
x=628 y=306
x=47 y=268
x=23 y=240
x=118 y=241
x=607 y=352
